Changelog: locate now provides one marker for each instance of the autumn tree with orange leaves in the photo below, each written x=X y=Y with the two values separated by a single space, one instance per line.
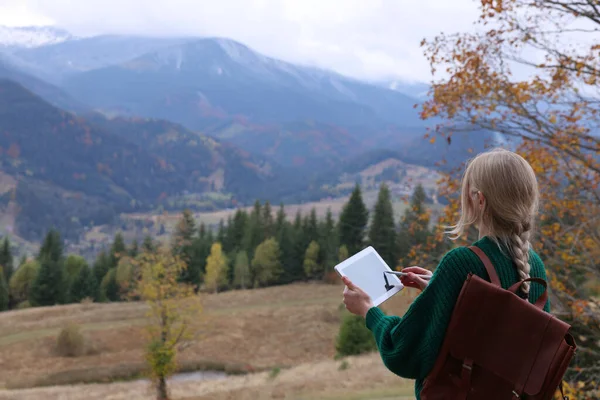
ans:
x=529 y=70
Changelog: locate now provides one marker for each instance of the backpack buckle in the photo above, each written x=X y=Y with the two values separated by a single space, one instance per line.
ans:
x=516 y=394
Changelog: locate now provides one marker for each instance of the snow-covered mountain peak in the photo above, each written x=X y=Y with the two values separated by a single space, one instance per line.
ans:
x=32 y=36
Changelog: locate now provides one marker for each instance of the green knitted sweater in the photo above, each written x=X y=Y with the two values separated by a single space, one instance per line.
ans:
x=409 y=345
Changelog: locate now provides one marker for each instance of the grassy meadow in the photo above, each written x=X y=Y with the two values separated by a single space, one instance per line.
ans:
x=276 y=343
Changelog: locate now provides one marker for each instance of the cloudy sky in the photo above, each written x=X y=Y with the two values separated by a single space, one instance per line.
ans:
x=368 y=39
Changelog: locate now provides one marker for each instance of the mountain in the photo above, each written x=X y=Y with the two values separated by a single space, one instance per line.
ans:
x=32 y=36
x=206 y=80
x=418 y=90
x=54 y=62
x=72 y=172
x=49 y=92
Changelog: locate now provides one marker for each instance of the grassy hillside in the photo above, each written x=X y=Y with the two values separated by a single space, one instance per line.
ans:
x=290 y=327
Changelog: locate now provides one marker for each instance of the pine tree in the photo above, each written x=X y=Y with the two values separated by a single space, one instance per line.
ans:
x=300 y=243
x=382 y=232
x=221 y=233
x=101 y=266
x=73 y=266
x=148 y=245
x=182 y=243
x=4 y=294
x=328 y=242
x=134 y=249
x=266 y=267
x=52 y=247
x=241 y=270
x=6 y=259
x=267 y=220
x=84 y=286
x=353 y=222
x=49 y=286
x=216 y=268
x=229 y=246
x=254 y=233
x=109 y=287
x=312 y=267
x=311 y=227
x=414 y=226
x=117 y=250
x=238 y=229
x=285 y=237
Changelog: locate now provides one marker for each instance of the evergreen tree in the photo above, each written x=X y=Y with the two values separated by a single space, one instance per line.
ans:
x=267 y=220
x=266 y=267
x=6 y=259
x=148 y=245
x=117 y=250
x=101 y=266
x=311 y=227
x=382 y=232
x=237 y=230
x=134 y=249
x=216 y=268
x=312 y=267
x=414 y=226
x=4 y=294
x=52 y=247
x=49 y=286
x=201 y=250
x=300 y=243
x=241 y=270
x=221 y=233
x=284 y=234
x=353 y=222
x=109 y=287
x=73 y=266
x=254 y=233
x=328 y=242
x=229 y=246
x=182 y=243
x=84 y=286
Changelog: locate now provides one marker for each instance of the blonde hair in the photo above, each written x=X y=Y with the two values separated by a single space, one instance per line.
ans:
x=510 y=202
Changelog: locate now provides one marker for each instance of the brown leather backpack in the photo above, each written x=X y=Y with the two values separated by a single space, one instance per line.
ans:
x=500 y=346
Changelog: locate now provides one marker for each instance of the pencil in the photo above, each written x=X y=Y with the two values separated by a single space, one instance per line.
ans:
x=426 y=277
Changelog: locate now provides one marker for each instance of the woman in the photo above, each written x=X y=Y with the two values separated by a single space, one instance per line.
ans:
x=499 y=196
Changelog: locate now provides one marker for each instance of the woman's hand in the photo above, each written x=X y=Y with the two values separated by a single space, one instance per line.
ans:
x=355 y=299
x=413 y=280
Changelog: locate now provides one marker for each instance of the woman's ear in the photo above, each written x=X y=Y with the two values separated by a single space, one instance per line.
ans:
x=481 y=198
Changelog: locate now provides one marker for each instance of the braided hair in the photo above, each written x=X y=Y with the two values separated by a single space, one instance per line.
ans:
x=500 y=194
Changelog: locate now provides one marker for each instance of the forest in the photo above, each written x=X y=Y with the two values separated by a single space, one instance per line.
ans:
x=251 y=249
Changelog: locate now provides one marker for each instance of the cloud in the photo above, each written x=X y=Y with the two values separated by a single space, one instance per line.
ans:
x=374 y=39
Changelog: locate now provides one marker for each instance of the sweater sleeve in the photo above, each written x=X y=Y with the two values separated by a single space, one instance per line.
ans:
x=409 y=345
x=538 y=270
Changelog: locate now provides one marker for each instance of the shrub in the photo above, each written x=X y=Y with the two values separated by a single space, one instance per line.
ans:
x=71 y=342
x=23 y=305
x=344 y=366
x=354 y=337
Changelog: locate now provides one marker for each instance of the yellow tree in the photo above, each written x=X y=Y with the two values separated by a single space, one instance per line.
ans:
x=172 y=308
x=216 y=268
x=530 y=71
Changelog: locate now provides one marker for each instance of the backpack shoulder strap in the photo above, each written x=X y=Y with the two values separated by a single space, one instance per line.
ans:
x=487 y=264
